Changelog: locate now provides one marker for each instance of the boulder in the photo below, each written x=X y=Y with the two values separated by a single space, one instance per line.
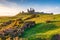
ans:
x=56 y=37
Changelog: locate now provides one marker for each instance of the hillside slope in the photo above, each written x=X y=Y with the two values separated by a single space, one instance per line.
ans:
x=44 y=25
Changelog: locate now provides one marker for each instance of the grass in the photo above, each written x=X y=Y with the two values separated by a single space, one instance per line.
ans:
x=41 y=18
x=42 y=30
x=47 y=35
x=38 y=28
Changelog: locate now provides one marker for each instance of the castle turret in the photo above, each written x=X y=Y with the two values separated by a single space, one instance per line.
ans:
x=31 y=10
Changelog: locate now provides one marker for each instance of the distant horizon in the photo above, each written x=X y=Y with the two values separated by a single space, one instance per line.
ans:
x=13 y=7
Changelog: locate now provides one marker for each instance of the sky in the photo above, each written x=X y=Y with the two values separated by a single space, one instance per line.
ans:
x=13 y=7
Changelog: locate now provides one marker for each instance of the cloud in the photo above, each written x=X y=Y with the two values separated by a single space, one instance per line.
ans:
x=7 y=11
x=49 y=9
x=9 y=8
x=55 y=10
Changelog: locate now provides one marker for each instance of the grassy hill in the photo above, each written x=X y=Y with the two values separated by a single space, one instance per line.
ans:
x=43 y=30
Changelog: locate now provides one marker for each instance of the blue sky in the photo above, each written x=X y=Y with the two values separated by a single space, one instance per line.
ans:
x=12 y=7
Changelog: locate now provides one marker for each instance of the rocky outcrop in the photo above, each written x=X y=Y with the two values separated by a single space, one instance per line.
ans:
x=16 y=31
x=56 y=37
